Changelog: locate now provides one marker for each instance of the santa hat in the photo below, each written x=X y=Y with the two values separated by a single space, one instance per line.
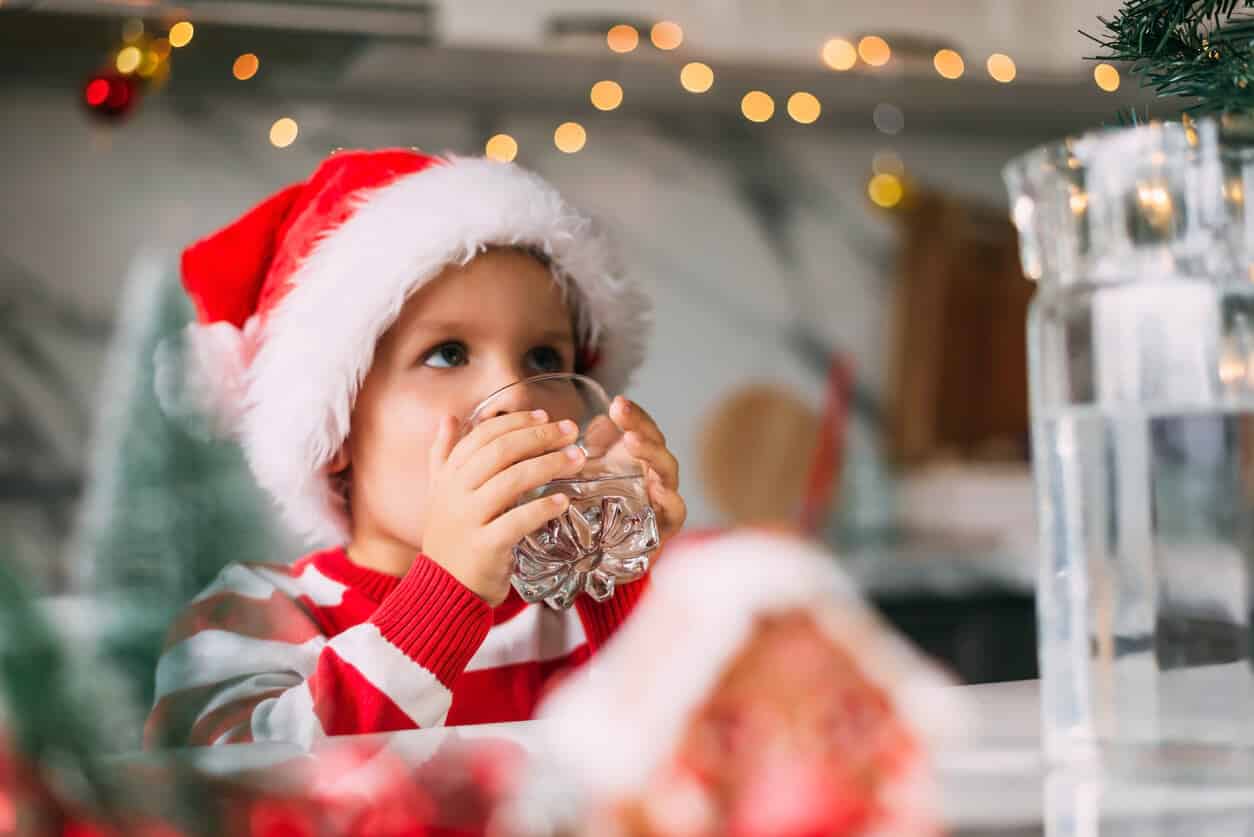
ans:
x=292 y=298
x=612 y=724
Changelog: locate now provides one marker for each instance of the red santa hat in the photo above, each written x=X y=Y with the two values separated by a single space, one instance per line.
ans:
x=292 y=298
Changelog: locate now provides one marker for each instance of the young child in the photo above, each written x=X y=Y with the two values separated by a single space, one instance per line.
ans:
x=345 y=327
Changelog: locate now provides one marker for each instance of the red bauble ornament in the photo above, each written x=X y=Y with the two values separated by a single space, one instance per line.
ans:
x=282 y=818
x=111 y=96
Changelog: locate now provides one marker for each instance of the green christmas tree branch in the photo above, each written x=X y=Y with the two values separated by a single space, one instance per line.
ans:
x=1200 y=50
x=41 y=697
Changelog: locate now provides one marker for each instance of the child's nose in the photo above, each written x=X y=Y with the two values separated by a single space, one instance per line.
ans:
x=513 y=400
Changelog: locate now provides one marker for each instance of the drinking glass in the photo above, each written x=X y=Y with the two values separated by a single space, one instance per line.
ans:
x=607 y=532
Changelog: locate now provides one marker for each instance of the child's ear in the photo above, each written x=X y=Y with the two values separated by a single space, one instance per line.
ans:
x=340 y=462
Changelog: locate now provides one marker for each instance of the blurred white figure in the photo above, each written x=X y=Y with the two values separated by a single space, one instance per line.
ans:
x=752 y=693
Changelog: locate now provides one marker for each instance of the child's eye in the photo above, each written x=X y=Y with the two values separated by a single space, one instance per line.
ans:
x=545 y=359
x=446 y=356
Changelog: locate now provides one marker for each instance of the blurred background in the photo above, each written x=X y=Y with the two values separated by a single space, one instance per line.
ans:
x=811 y=190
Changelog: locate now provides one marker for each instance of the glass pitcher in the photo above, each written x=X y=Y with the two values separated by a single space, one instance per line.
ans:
x=1141 y=367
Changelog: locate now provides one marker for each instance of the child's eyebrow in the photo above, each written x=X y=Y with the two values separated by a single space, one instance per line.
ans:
x=555 y=335
x=562 y=335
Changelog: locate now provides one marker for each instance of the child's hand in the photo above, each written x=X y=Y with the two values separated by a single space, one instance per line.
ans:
x=472 y=525
x=645 y=442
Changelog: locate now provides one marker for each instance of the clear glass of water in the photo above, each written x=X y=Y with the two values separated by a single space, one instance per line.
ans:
x=1141 y=355
x=606 y=534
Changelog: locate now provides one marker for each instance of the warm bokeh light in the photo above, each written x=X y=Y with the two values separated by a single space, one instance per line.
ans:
x=503 y=148
x=283 y=132
x=1107 y=77
x=606 y=95
x=128 y=59
x=246 y=66
x=874 y=50
x=1234 y=191
x=839 y=54
x=622 y=38
x=1156 y=203
x=885 y=190
x=1232 y=369
x=696 y=77
x=148 y=67
x=132 y=29
x=666 y=35
x=804 y=107
x=181 y=34
x=949 y=64
x=1001 y=67
x=570 y=137
x=757 y=106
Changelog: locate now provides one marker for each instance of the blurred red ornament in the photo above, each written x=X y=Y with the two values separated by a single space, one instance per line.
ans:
x=83 y=828
x=398 y=820
x=282 y=818
x=8 y=789
x=111 y=96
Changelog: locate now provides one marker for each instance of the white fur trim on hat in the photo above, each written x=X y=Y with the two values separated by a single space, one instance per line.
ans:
x=614 y=721
x=204 y=374
x=318 y=342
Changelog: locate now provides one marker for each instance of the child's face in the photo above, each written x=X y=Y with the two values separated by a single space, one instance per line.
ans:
x=465 y=334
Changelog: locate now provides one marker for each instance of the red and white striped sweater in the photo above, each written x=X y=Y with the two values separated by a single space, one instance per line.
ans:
x=327 y=647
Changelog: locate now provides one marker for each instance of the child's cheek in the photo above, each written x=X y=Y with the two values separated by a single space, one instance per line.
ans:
x=397 y=477
x=410 y=431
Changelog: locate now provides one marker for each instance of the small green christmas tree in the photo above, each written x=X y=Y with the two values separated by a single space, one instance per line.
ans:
x=167 y=505
x=42 y=691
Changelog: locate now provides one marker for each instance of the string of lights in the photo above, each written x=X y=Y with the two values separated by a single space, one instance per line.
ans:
x=141 y=63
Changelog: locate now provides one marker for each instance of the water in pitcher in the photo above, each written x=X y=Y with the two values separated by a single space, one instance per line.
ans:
x=604 y=537
x=1147 y=526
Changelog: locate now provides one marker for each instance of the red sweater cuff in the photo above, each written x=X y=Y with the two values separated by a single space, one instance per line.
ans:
x=434 y=619
x=601 y=619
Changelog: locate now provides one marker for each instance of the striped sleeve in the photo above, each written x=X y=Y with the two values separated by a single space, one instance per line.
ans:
x=248 y=661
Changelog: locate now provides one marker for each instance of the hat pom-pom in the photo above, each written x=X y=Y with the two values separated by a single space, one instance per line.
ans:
x=200 y=377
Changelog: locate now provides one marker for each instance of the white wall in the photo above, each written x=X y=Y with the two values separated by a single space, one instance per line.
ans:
x=1041 y=35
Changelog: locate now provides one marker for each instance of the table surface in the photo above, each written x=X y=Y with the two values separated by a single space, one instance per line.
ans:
x=994 y=781
x=992 y=778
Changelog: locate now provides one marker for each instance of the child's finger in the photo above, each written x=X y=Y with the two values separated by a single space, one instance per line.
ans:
x=630 y=416
x=517 y=523
x=503 y=490
x=514 y=447
x=656 y=456
x=670 y=508
x=490 y=430
x=445 y=439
